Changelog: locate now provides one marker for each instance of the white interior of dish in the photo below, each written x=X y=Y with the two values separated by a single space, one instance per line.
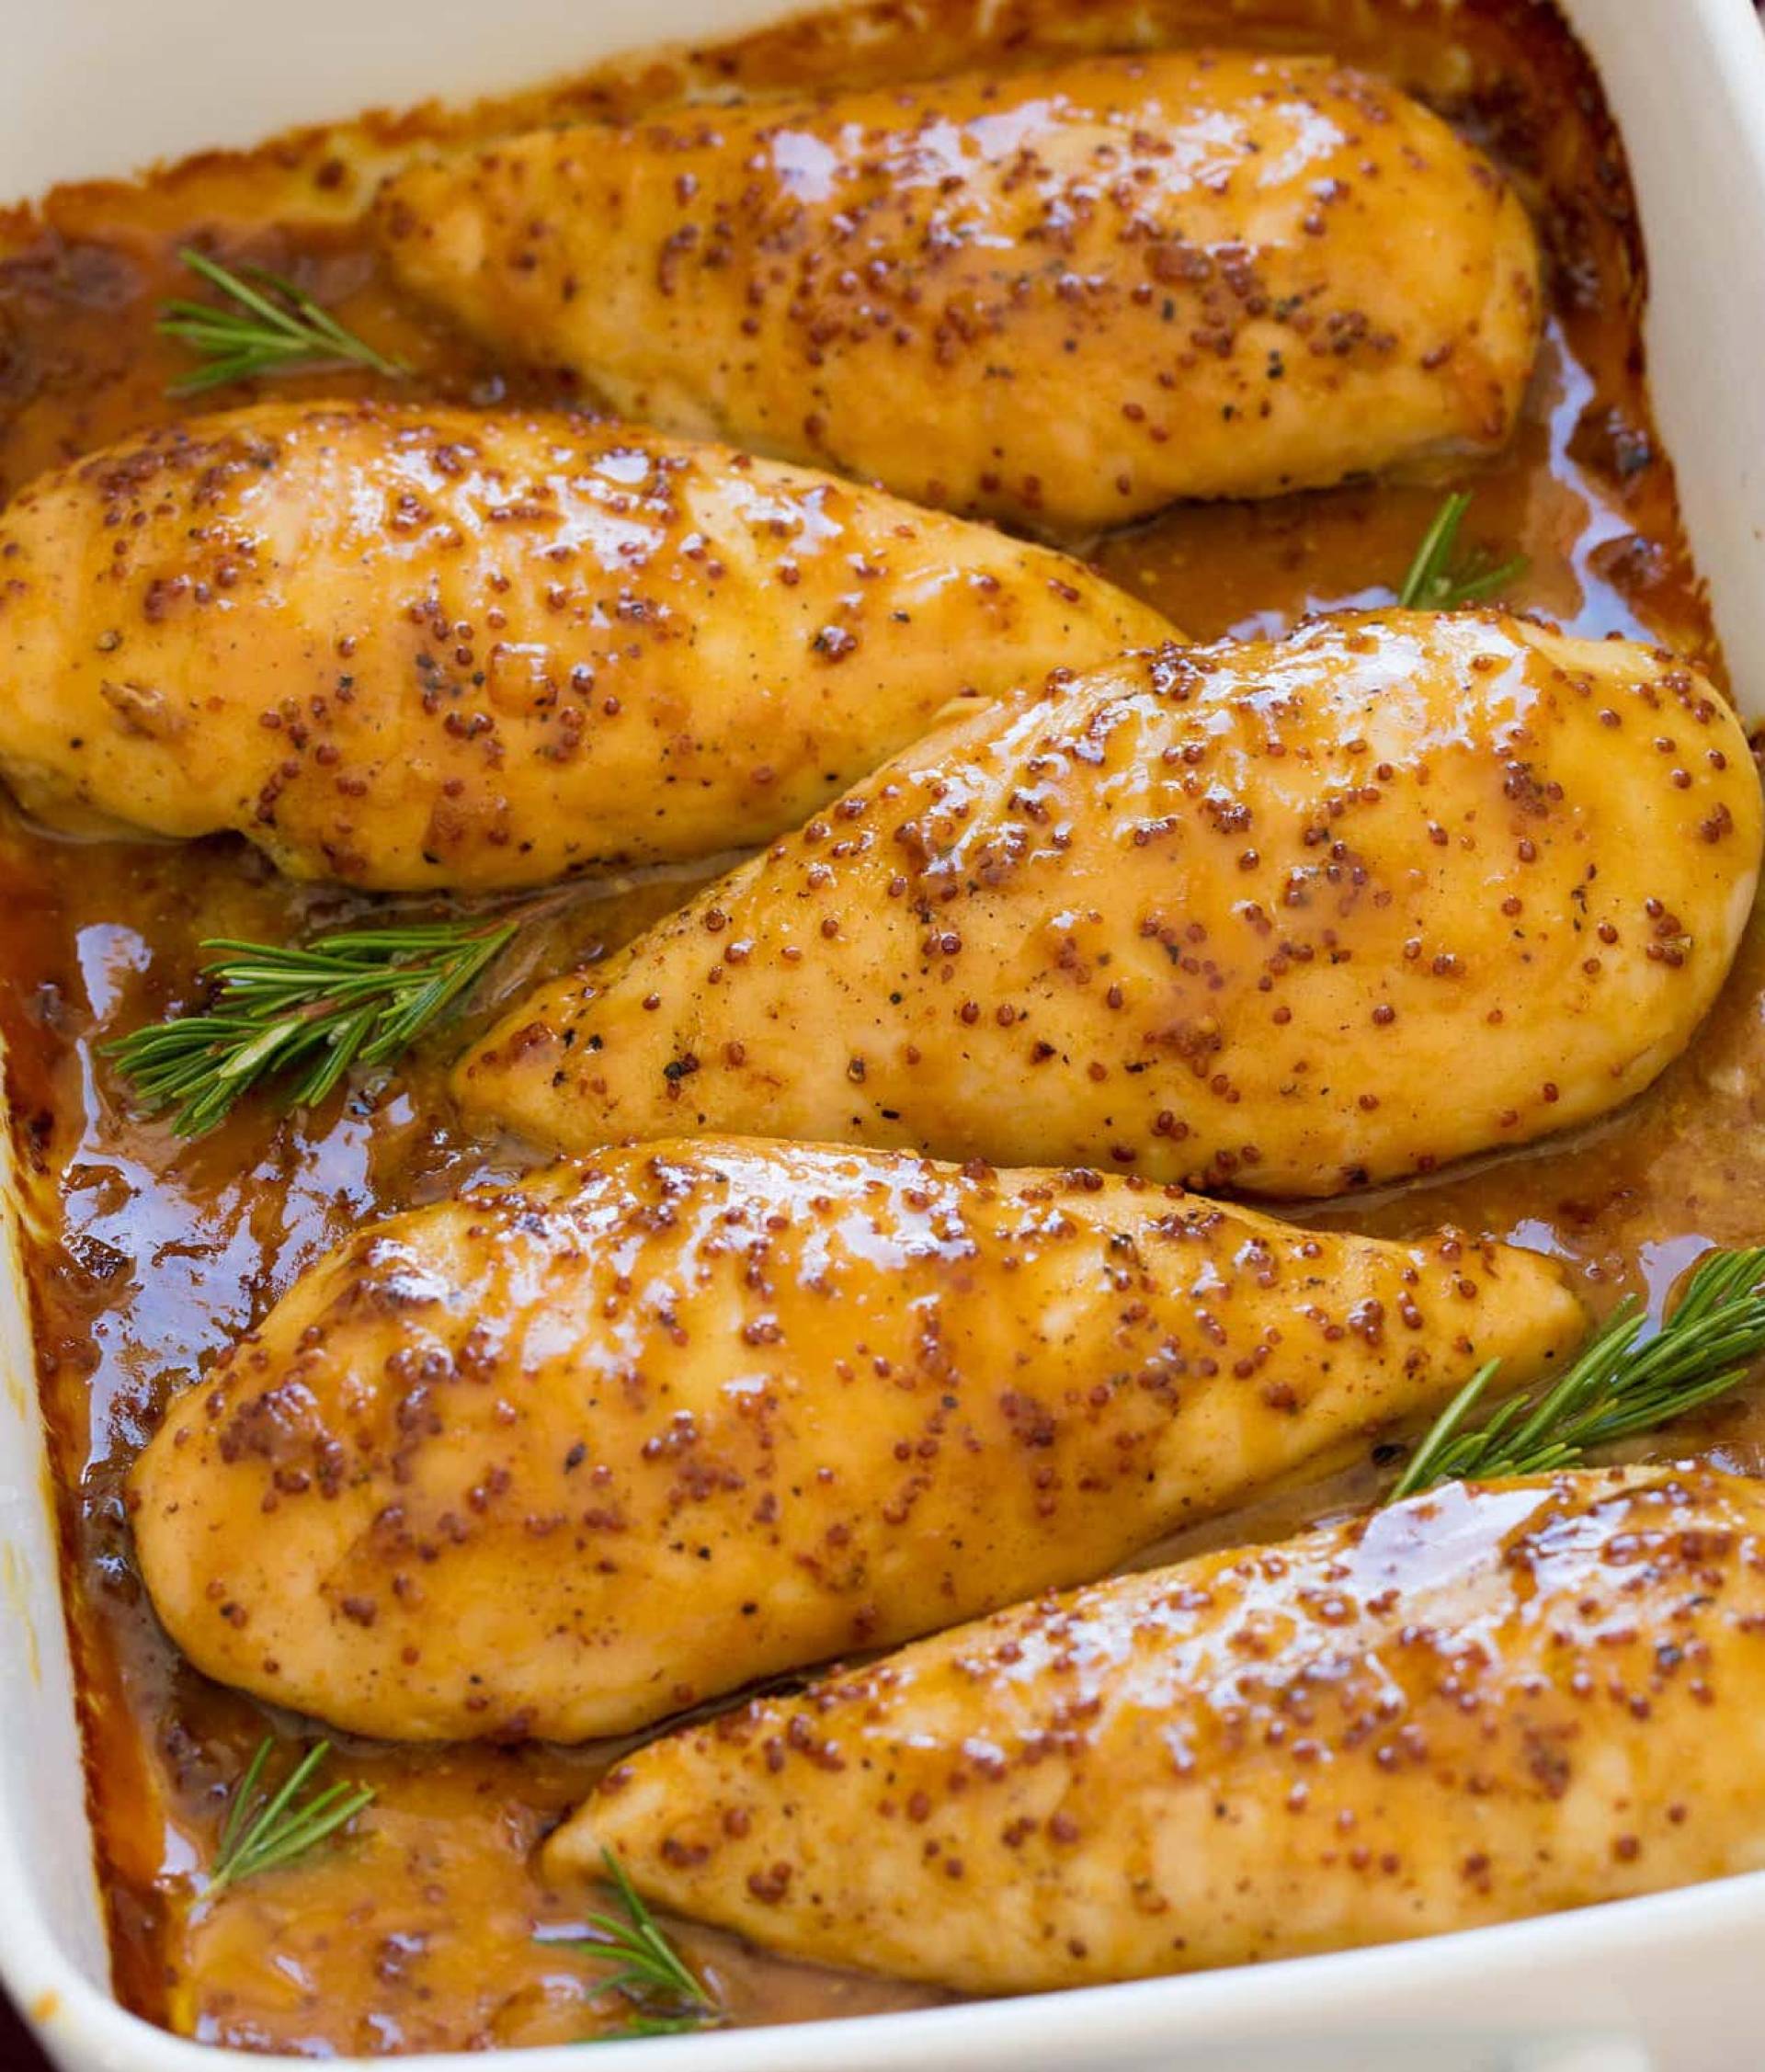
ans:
x=92 y=87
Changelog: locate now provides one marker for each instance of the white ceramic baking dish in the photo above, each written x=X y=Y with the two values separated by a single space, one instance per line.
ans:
x=101 y=86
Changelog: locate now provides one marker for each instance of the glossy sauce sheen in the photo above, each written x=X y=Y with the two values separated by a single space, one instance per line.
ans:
x=1089 y=291
x=435 y=1928
x=406 y=647
x=1486 y=1703
x=561 y=1460
x=1228 y=916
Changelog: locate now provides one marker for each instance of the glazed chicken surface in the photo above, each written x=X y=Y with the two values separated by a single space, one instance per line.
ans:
x=1240 y=915
x=413 y=646
x=561 y=1460
x=1480 y=1705
x=1063 y=297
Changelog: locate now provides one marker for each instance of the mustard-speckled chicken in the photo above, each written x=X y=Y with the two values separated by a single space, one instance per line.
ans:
x=561 y=1459
x=1477 y=1706
x=412 y=646
x=1062 y=297
x=1291 y=916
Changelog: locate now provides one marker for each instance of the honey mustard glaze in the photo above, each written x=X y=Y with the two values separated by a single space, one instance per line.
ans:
x=434 y=1926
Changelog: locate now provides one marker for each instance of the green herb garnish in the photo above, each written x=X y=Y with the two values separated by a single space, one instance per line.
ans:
x=262 y=1834
x=271 y=327
x=1439 y=582
x=359 y=997
x=666 y=1996
x=1618 y=1384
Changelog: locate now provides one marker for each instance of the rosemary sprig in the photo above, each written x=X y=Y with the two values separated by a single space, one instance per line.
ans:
x=1620 y=1383
x=359 y=997
x=272 y=327
x=260 y=1834
x=666 y=1996
x=1438 y=579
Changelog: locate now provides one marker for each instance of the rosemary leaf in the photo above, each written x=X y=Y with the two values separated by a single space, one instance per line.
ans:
x=1441 y=580
x=260 y=1835
x=360 y=997
x=1618 y=1384
x=666 y=1996
x=654 y=2025
x=268 y=326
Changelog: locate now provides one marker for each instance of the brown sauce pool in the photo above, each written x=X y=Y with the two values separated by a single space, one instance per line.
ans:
x=429 y=1930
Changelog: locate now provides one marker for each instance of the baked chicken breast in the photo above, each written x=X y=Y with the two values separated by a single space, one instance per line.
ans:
x=1082 y=291
x=562 y=1459
x=1483 y=1703
x=409 y=646
x=1289 y=916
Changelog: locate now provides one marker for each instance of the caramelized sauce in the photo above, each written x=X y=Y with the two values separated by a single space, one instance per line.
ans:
x=429 y=1929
